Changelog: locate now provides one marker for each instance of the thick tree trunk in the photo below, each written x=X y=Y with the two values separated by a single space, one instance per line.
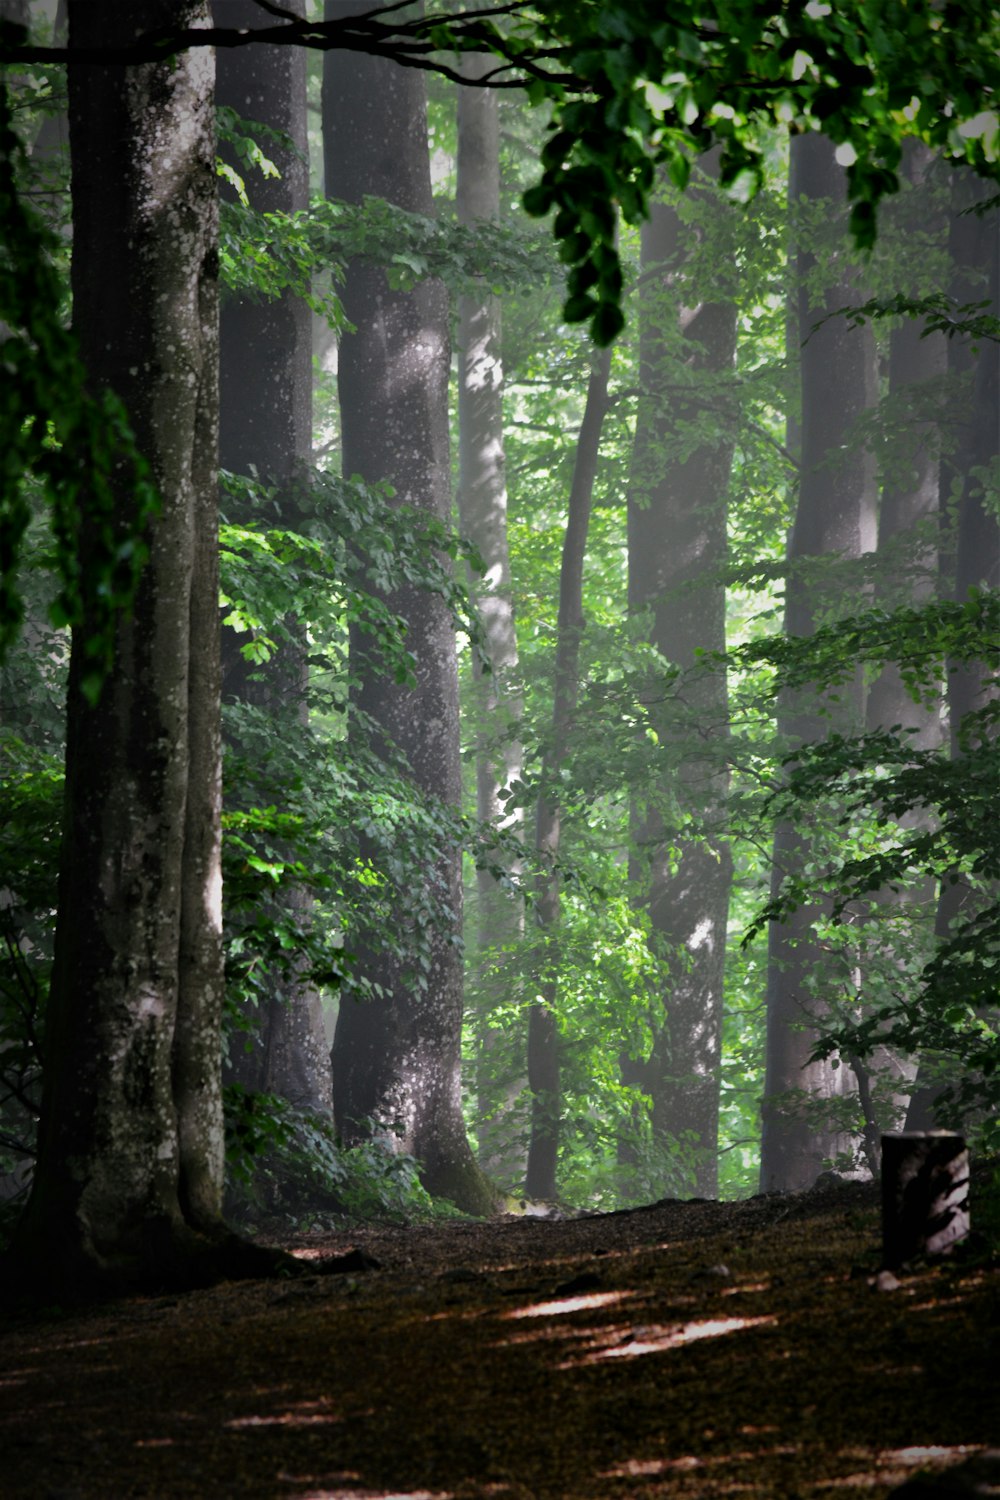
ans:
x=266 y=425
x=906 y=574
x=835 y=519
x=396 y=1060
x=130 y=1150
x=677 y=547
x=975 y=561
x=544 y=1073
x=482 y=509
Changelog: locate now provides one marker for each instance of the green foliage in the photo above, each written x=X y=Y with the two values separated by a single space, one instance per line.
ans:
x=649 y=87
x=627 y=90
x=30 y=814
x=631 y=86
x=280 y=1159
x=79 y=445
x=243 y=138
x=264 y=255
x=902 y=817
x=350 y=543
x=318 y=811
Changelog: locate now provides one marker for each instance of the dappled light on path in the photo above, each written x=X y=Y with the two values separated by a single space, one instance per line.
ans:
x=563 y=1305
x=568 y=1361
x=654 y=1340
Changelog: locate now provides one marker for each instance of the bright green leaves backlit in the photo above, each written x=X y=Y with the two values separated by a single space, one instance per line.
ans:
x=263 y=255
x=240 y=136
x=633 y=84
x=80 y=446
x=651 y=88
x=351 y=545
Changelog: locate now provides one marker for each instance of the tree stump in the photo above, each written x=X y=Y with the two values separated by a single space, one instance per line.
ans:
x=925 y=1194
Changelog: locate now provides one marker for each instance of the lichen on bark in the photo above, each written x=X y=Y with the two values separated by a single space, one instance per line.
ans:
x=128 y=1183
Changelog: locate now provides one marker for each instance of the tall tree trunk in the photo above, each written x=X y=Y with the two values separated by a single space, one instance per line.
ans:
x=544 y=1073
x=266 y=425
x=482 y=509
x=397 y=1059
x=906 y=574
x=130 y=1152
x=677 y=511
x=975 y=562
x=835 y=519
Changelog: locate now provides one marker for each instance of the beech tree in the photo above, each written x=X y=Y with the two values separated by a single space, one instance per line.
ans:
x=972 y=562
x=834 y=524
x=129 y=1164
x=677 y=512
x=915 y=422
x=266 y=429
x=396 y=1056
x=482 y=510
x=130 y=1156
x=544 y=1072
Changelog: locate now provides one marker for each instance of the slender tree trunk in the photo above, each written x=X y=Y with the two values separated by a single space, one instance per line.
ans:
x=130 y=1152
x=907 y=562
x=266 y=426
x=544 y=1076
x=835 y=519
x=677 y=547
x=975 y=244
x=482 y=509
x=397 y=1060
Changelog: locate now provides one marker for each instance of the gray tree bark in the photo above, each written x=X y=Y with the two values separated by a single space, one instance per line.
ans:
x=482 y=509
x=266 y=425
x=544 y=1070
x=835 y=519
x=397 y=1060
x=907 y=567
x=130 y=1152
x=975 y=558
x=677 y=510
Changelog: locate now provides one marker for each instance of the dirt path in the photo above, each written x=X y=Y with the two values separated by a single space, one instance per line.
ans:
x=688 y=1349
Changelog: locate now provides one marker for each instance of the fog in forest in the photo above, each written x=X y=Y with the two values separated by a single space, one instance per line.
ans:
x=607 y=741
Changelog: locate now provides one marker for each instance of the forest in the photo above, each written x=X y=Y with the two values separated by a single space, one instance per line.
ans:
x=499 y=565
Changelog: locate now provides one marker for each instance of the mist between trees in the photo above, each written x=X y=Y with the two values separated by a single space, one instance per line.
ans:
x=604 y=796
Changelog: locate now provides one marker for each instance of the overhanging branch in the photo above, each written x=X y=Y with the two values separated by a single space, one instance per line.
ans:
x=418 y=43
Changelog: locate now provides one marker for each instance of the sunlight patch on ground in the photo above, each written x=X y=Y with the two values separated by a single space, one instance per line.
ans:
x=635 y=1468
x=561 y=1305
x=588 y=1336
x=356 y=1494
x=303 y=1414
x=892 y=1465
x=923 y=1455
x=655 y=1339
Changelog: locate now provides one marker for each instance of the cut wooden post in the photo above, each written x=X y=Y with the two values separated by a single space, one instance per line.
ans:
x=925 y=1194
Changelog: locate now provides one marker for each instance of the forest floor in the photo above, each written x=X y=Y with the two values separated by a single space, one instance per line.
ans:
x=686 y=1349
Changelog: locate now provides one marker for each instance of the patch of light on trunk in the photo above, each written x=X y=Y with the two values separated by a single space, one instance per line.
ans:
x=701 y=935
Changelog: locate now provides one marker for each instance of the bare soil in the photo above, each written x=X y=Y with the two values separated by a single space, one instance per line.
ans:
x=687 y=1349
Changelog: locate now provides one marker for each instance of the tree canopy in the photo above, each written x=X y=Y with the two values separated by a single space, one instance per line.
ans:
x=630 y=88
